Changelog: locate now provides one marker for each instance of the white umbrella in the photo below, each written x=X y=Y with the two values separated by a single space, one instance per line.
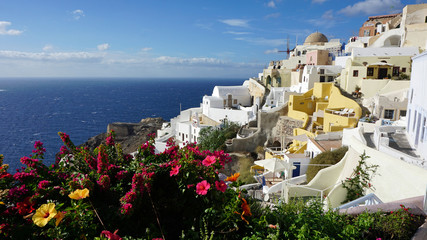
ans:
x=274 y=165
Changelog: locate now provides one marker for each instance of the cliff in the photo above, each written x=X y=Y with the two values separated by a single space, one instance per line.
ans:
x=129 y=135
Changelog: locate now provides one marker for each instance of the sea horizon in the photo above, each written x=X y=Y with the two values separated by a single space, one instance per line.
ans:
x=35 y=109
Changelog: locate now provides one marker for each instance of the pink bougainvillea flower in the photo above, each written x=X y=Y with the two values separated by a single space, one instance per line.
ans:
x=221 y=186
x=209 y=160
x=202 y=187
x=175 y=170
x=79 y=194
x=109 y=235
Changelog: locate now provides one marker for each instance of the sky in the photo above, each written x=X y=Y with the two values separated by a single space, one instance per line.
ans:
x=168 y=38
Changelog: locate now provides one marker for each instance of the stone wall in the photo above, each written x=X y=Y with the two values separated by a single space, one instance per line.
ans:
x=266 y=123
x=129 y=135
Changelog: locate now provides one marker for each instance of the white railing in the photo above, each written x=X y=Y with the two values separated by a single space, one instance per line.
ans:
x=321 y=193
x=370 y=199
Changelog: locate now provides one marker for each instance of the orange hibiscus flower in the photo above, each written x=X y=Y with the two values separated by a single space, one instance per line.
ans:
x=233 y=177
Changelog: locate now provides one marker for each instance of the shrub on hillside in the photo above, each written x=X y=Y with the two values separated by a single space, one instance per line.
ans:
x=213 y=138
x=328 y=157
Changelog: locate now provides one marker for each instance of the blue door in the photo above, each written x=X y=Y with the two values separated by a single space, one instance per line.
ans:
x=296 y=171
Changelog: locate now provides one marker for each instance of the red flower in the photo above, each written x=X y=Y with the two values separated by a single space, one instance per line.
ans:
x=202 y=187
x=25 y=207
x=221 y=186
x=175 y=170
x=109 y=235
x=209 y=160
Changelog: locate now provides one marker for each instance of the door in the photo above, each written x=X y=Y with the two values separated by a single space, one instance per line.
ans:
x=382 y=73
x=296 y=171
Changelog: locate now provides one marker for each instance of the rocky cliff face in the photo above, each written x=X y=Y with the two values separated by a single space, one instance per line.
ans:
x=129 y=135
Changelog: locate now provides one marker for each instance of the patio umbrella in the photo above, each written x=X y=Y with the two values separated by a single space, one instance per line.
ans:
x=274 y=165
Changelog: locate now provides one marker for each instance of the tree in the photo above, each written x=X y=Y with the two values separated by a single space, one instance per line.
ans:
x=213 y=138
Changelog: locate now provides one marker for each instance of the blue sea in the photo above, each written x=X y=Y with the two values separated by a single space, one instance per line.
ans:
x=37 y=109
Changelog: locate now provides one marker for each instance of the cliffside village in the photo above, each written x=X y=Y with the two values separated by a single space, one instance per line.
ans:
x=367 y=93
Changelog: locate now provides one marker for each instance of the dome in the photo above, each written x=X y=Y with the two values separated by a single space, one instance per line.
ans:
x=315 y=39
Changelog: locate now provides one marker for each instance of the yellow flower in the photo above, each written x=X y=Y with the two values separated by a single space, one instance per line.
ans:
x=79 y=194
x=44 y=214
x=59 y=216
x=1 y=203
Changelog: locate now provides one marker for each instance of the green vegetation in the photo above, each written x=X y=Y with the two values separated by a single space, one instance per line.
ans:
x=360 y=180
x=213 y=139
x=177 y=194
x=328 y=157
x=245 y=164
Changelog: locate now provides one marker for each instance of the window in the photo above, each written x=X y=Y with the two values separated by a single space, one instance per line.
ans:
x=366 y=33
x=403 y=69
x=425 y=20
x=355 y=73
x=402 y=113
x=423 y=129
x=235 y=101
x=389 y=113
x=322 y=78
x=365 y=45
x=225 y=102
x=322 y=71
x=395 y=71
x=330 y=78
x=415 y=120
x=370 y=72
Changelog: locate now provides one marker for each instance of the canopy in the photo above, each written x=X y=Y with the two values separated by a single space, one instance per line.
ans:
x=274 y=164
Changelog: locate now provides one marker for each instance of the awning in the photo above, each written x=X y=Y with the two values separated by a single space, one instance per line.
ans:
x=381 y=64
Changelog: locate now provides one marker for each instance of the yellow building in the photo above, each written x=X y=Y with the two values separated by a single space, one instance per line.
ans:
x=323 y=109
x=370 y=69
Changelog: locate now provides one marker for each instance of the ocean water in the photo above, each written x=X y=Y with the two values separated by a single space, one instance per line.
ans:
x=37 y=109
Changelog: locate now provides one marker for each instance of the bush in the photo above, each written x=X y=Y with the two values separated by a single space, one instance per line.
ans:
x=213 y=138
x=104 y=194
x=328 y=157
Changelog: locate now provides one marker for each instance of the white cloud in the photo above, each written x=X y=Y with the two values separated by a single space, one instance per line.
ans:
x=56 y=56
x=47 y=47
x=146 y=49
x=271 y=51
x=273 y=15
x=77 y=14
x=4 y=31
x=236 y=22
x=263 y=41
x=103 y=47
x=372 y=7
x=327 y=20
x=319 y=1
x=271 y=4
x=237 y=33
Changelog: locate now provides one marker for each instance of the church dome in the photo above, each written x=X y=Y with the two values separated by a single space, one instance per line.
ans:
x=316 y=38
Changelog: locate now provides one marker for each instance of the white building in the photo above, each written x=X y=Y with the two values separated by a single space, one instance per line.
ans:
x=276 y=98
x=233 y=103
x=417 y=105
x=312 y=74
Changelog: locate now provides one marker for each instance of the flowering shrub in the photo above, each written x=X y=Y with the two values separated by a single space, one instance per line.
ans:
x=86 y=193
x=177 y=194
x=360 y=180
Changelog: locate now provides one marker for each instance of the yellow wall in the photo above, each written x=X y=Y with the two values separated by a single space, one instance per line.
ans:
x=322 y=96
x=348 y=82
